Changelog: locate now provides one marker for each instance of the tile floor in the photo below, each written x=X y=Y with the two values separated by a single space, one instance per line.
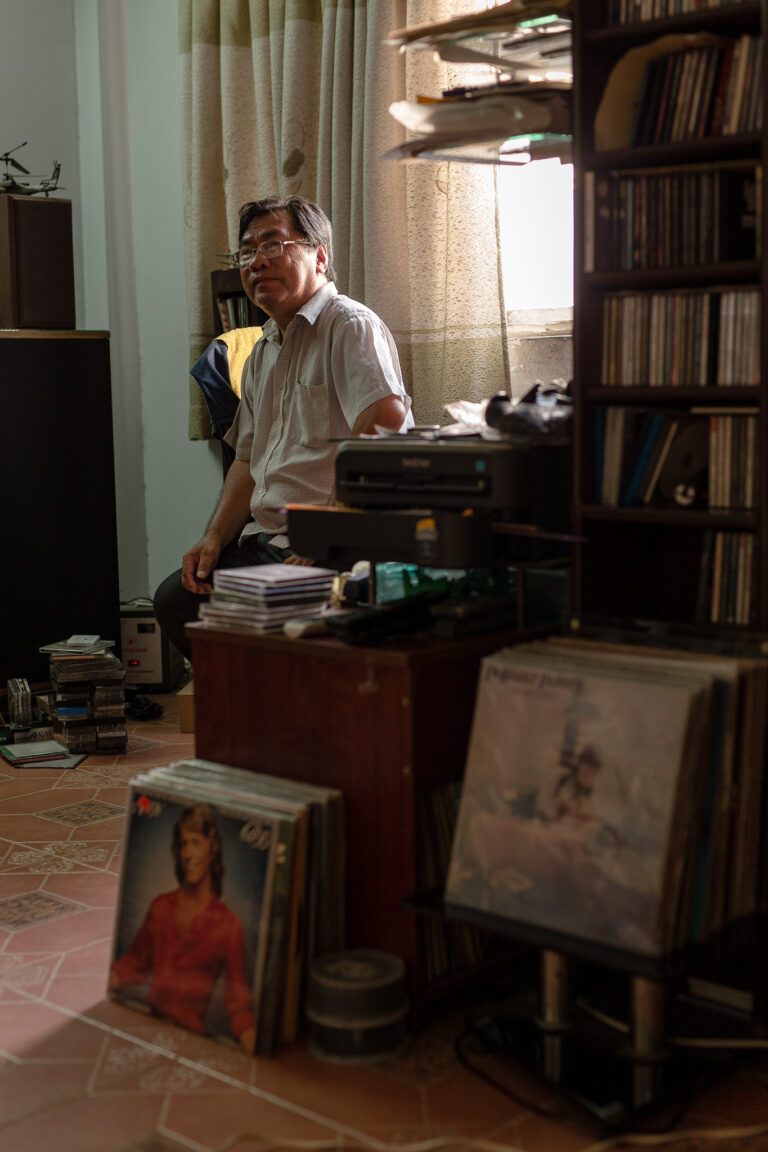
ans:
x=80 y=1073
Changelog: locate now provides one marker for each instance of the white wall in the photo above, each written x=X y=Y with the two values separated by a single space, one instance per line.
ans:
x=38 y=96
x=94 y=83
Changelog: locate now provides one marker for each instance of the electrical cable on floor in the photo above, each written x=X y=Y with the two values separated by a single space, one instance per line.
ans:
x=459 y=1144
x=574 y=1116
x=448 y=1143
x=563 y=1117
x=682 y=1135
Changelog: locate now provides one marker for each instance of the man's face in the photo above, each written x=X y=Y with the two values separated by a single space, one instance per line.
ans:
x=283 y=285
x=195 y=854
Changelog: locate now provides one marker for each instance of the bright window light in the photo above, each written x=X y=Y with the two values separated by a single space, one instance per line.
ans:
x=536 y=209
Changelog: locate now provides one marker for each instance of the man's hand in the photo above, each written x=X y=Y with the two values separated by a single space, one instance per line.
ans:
x=298 y=560
x=231 y=515
x=199 y=562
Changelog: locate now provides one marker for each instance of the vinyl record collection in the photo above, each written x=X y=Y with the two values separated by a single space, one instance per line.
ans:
x=232 y=881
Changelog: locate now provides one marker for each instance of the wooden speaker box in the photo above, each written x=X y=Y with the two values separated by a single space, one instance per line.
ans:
x=37 y=267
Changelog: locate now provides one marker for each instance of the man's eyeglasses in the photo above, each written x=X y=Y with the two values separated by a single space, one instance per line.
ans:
x=270 y=250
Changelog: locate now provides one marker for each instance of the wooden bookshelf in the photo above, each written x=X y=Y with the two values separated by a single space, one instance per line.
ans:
x=230 y=301
x=673 y=215
x=669 y=311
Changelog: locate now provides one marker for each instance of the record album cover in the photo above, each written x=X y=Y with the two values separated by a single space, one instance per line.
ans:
x=579 y=805
x=193 y=916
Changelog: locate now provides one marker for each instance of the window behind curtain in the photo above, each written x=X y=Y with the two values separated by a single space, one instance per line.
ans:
x=536 y=217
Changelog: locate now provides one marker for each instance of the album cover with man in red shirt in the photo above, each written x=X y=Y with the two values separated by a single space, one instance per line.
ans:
x=194 y=915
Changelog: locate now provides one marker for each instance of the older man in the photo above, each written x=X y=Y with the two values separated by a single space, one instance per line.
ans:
x=325 y=368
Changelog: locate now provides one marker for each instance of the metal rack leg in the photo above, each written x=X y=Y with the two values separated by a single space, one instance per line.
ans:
x=554 y=1019
x=649 y=1011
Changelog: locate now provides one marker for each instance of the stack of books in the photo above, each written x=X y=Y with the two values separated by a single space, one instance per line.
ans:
x=39 y=754
x=254 y=865
x=261 y=597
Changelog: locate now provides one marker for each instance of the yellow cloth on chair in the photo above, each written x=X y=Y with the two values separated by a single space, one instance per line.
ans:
x=239 y=342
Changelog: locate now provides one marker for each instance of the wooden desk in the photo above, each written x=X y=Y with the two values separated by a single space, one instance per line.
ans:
x=385 y=724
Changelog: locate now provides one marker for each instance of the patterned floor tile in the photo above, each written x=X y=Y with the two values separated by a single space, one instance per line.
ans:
x=32 y=976
x=57 y=856
x=126 y=1066
x=83 y=813
x=32 y=908
x=65 y=933
x=98 y=776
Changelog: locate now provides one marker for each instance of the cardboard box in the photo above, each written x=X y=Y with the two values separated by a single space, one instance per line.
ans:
x=186 y=702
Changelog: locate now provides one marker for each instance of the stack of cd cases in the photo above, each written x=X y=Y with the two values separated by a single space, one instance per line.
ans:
x=88 y=699
x=261 y=597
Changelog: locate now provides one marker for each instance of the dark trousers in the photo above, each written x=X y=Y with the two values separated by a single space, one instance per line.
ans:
x=175 y=606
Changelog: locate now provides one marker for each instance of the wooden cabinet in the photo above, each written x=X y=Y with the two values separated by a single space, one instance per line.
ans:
x=385 y=724
x=58 y=490
x=669 y=316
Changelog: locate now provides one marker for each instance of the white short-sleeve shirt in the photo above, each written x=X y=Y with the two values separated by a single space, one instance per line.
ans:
x=302 y=392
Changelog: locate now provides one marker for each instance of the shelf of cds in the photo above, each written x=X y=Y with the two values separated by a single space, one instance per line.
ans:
x=669 y=359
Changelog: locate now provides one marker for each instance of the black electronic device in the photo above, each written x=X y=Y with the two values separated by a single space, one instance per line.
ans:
x=454 y=502
x=530 y=483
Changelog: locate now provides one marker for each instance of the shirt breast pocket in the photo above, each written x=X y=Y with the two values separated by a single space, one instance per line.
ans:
x=310 y=415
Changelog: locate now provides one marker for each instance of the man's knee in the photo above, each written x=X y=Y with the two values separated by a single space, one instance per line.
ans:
x=167 y=596
x=174 y=607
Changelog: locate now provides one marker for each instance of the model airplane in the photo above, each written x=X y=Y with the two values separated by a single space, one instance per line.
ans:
x=11 y=185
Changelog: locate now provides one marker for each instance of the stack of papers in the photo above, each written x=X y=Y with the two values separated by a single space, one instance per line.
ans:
x=492 y=125
x=522 y=112
x=261 y=597
x=504 y=18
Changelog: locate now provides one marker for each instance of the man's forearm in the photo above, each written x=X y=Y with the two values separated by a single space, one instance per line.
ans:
x=233 y=510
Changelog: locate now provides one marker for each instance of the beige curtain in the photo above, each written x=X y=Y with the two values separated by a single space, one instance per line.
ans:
x=291 y=97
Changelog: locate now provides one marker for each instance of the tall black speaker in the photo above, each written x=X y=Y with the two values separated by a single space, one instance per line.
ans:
x=37 y=268
x=57 y=481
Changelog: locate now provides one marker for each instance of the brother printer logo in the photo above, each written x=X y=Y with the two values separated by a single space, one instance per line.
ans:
x=415 y=462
